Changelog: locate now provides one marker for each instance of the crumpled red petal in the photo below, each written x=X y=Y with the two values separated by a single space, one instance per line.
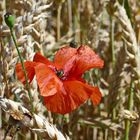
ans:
x=81 y=91
x=58 y=103
x=29 y=66
x=65 y=103
x=87 y=59
x=76 y=94
x=47 y=80
x=39 y=58
x=96 y=96
x=63 y=55
x=75 y=61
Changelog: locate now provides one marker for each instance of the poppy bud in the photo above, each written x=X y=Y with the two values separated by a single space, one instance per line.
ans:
x=73 y=44
x=9 y=20
x=60 y=73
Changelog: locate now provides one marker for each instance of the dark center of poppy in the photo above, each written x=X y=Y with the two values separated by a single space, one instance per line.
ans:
x=59 y=73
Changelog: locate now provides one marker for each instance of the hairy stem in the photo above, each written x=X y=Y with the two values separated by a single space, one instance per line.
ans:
x=23 y=68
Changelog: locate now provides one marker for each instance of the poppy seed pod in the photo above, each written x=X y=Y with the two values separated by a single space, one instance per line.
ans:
x=9 y=20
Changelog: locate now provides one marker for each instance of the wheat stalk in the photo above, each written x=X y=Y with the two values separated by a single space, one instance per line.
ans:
x=34 y=122
x=132 y=49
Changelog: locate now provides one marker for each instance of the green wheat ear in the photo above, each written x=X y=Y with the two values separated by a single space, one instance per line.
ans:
x=9 y=20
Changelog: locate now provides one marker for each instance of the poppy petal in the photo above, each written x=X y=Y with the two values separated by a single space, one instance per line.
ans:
x=96 y=96
x=29 y=67
x=39 y=58
x=76 y=94
x=63 y=55
x=80 y=92
x=58 y=103
x=47 y=80
x=69 y=66
x=65 y=103
x=87 y=59
x=75 y=61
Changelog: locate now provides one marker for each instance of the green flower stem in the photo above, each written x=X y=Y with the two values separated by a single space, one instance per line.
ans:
x=23 y=68
x=130 y=107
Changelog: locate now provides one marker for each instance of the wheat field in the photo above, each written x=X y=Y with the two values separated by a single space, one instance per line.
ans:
x=109 y=27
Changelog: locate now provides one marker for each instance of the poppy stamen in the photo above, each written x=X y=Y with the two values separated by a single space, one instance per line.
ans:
x=60 y=73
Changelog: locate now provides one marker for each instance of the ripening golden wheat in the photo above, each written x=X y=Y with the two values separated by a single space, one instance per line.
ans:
x=69 y=70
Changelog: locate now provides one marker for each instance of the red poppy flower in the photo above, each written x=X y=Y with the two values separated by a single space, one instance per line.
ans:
x=60 y=81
